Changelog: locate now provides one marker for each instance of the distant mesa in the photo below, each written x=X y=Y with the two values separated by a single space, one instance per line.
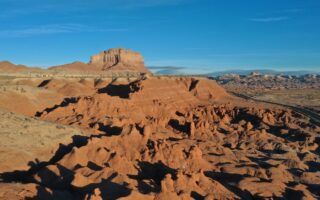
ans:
x=117 y=59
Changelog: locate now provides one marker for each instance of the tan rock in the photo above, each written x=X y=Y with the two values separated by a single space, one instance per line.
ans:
x=119 y=59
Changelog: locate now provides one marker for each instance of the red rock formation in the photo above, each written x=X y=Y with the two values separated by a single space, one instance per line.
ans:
x=157 y=98
x=113 y=60
x=168 y=138
x=119 y=60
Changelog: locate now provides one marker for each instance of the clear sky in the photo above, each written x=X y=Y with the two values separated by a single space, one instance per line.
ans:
x=203 y=35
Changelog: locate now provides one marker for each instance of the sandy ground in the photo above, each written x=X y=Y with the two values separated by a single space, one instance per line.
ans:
x=25 y=141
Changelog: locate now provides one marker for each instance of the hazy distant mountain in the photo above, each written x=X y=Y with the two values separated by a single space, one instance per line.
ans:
x=172 y=70
x=167 y=70
x=262 y=71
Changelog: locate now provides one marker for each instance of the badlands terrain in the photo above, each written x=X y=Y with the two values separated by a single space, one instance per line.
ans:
x=301 y=91
x=109 y=129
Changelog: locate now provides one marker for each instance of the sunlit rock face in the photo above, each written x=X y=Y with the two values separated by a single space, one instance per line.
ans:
x=119 y=59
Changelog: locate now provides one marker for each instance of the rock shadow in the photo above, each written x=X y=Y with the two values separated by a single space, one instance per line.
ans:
x=175 y=124
x=229 y=180
x=293 y=135
x=60 y=182
x=25 y=176
x=44 y=194
x=293 y=194
x=193 y=84
x=244 y=115
x=44 y=83
x=122 y=90
x=110 y=130
x=150 y=175
x=109 y=189
x=64 y=103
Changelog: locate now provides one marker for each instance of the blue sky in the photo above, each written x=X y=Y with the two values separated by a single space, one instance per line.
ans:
x=202 y=35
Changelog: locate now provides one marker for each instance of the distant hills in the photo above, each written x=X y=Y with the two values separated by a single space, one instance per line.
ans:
x=171 y=70
x=134 y=62
x=6 y=66
x=262 y=71
x=167 y=70
x=113 y=60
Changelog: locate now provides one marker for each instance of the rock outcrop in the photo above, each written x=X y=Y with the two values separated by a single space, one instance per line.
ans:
x=112 y=60
x=136 y=100
x=119 y=59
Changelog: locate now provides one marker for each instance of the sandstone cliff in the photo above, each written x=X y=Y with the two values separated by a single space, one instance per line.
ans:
x=116 y=60
x=119 y=59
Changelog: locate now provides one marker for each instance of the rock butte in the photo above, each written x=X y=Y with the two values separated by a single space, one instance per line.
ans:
x=117 y=59
x=158 y=138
